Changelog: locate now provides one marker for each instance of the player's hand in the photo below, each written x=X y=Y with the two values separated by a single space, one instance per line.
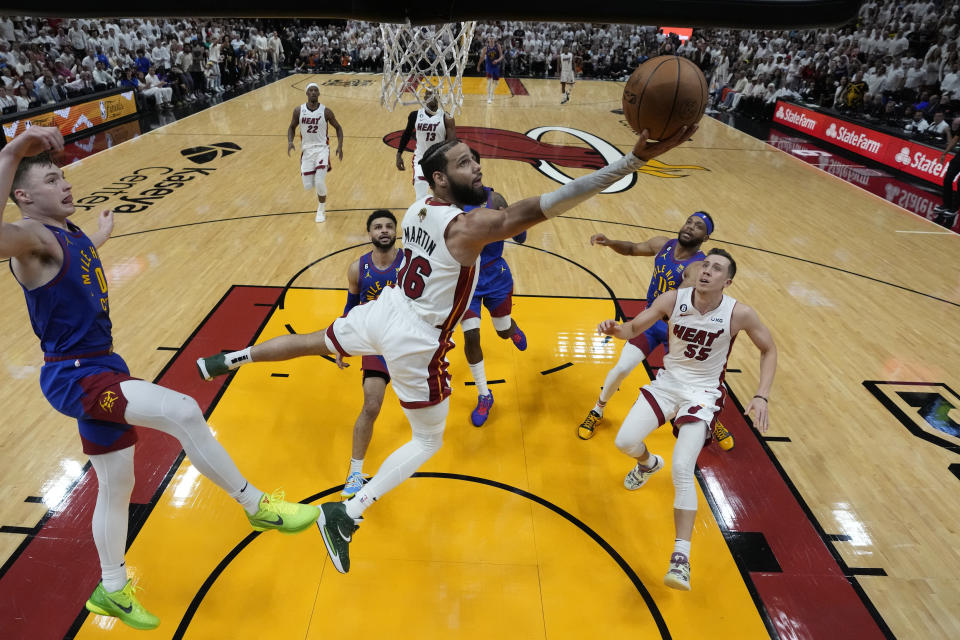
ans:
x=608 y=328
x=599 y=239
x=758 y=406
x=105 y=222
x=400 y=162
x=646 y=150
x=36 y=140
x=340 y=153
x=289 y=148
x=340 y=363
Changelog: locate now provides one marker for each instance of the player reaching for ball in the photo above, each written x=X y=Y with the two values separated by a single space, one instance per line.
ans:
x=411 y=324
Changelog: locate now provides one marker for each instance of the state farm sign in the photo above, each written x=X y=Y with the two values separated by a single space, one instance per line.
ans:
x=903 y=155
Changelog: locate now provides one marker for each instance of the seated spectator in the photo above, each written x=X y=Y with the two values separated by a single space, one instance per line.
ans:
x=102 y=78
x=8 y=103
x=81 y=86
x=917 y=125
x=24 y=100
x=939 y=127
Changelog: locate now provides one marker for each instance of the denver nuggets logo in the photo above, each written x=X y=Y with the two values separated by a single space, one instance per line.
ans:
x=107 y=399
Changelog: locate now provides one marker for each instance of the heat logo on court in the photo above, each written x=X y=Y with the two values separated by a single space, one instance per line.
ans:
x=502 y=144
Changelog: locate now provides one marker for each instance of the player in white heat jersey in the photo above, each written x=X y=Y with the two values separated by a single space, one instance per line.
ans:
x=703 y=323
x=428 y=126
x=411 y=325
x=312 y=119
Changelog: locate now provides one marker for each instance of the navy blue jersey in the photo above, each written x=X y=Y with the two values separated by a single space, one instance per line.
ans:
x=493 y=252
x=491 y=54
x=372 y=280
x=668 y=271
x=71 y=313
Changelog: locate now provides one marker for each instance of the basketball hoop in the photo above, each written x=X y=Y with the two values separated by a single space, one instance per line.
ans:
x=418 y=60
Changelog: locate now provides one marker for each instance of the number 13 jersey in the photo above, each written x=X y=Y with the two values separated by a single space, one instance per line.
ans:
x=699 y=344
x=437 y=287
x=429 y=130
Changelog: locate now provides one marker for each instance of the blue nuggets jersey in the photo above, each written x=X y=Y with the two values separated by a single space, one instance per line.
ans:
x=372 y=280
x=71 y=313
x=491 y=55
x=668 y=271
x=492 y=264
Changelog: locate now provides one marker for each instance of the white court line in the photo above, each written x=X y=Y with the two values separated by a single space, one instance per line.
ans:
x=935 y=233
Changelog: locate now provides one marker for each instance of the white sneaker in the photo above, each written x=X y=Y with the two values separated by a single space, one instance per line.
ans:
x=489 y=100
x=321 y=217
x=678 y=575
x=638 y=477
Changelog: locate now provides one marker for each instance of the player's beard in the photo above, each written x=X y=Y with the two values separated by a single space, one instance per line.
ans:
x=692 y=243
x=466 y=194
x=384 y=246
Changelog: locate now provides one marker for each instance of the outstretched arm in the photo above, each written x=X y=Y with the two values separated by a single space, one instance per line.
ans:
x=483 y=226
x=750 y=322
x=16 y=240
x=661 y=308
x=626 y=248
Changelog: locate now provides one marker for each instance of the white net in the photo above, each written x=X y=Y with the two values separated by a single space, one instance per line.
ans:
x=418 y=59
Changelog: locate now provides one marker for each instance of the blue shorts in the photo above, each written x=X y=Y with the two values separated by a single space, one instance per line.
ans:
x=652 y=338
x=494 y=291
x=88 y=389
x=493 y=71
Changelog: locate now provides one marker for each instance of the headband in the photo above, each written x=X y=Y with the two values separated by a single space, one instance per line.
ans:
x=703 y=215
x=312 y=84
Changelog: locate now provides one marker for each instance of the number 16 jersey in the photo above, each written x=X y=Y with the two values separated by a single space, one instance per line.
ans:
x=437 y=287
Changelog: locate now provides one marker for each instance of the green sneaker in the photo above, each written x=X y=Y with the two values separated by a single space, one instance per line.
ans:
x=285 y=517
x=122 y=604
x=337 y=528
x=215 y=365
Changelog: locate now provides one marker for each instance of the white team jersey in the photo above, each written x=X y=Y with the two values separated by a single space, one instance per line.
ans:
x=566 y=63
x=437 y=287
x=699 y=344
x=313 y=127
x=429 y=131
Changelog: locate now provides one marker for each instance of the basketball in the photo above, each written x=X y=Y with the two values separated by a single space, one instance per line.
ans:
x=664 y=94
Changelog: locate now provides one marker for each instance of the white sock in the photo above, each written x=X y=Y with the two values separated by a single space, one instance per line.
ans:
x=599 y=406
x=236 y=358
x=249 y=498
x=682 y=546
x=480 y=378
x=114 y=576
x=356 y=466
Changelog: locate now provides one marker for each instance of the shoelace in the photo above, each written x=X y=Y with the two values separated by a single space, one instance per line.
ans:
x=130 y=591
x=277 y=504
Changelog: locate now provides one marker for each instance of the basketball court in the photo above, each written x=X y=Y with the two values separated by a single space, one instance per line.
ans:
x=841 y=521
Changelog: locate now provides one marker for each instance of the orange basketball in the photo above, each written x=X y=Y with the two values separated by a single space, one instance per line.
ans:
x=664 y=94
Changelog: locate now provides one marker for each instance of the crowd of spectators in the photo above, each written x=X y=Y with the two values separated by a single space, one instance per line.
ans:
x=898 y=65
